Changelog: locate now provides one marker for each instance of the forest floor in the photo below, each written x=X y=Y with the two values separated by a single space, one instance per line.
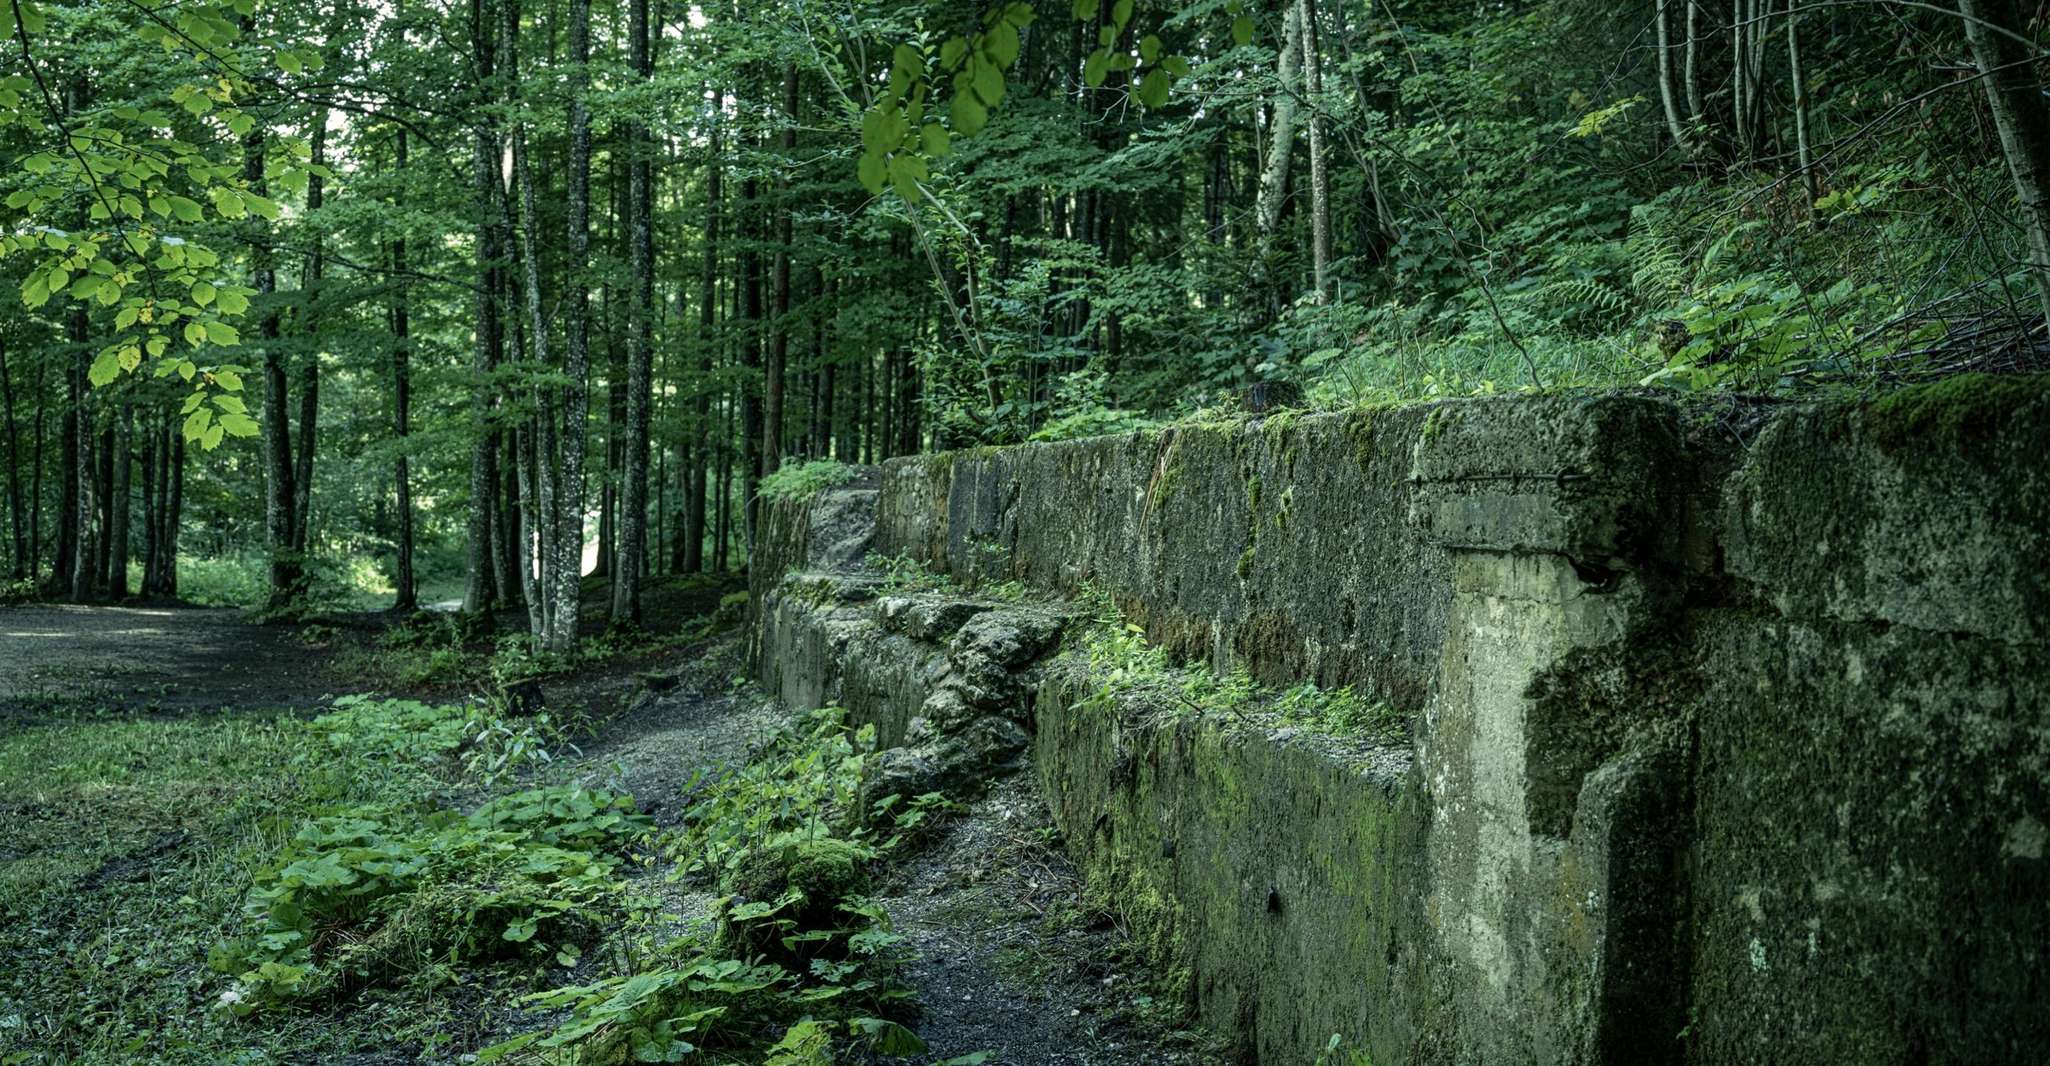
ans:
x=135 y=823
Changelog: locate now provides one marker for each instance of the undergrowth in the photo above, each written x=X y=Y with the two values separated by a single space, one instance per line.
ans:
x=798 y=963
x=267 y=888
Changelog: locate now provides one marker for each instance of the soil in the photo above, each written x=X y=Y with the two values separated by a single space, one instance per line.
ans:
x=1007 y=957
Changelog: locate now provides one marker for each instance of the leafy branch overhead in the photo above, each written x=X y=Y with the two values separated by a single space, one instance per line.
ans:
x=900 y=142
x=124 y=200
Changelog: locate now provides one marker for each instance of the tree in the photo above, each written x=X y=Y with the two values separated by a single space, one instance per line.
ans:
x=2007 y=59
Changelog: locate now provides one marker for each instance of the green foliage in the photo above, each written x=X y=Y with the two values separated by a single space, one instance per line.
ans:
x=796 y=482
x=1130 y=673
x=800 y=963
x=374 y=894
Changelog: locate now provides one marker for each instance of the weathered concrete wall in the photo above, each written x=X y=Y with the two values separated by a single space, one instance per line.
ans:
x=1730 y=734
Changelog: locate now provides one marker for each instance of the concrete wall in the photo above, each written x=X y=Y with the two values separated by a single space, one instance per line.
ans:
x=1729 y=733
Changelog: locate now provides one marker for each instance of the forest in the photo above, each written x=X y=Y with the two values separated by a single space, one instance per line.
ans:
x=486 y=368
x=351 y=300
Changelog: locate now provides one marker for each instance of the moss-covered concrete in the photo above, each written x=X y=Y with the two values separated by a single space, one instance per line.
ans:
x=1730 y=737
x=1254 y=865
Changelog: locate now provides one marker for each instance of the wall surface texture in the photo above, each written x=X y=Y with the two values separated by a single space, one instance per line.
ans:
x=1729 y=730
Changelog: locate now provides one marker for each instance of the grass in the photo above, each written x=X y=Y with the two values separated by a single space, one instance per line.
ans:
x=136 y=849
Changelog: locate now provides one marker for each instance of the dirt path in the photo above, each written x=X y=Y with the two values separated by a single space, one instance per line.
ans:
x=56 y=657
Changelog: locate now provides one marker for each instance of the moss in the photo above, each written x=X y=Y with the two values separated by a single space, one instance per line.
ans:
x=1965 y=408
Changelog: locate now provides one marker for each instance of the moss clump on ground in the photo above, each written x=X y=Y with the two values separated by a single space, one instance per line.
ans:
x=1967 y=407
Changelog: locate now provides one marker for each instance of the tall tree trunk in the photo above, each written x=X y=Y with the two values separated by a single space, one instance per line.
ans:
x=17 y=521
x=85 y=560
x=640 y=355
x=309 y=370
x=152 y=529
x=708 y=301
x=1281 y=132
x=751 y=422
x=577 y=353
x=1999 y=39
x=280 y=495
x=1320 y=174
x=481 y=591
x=117 y=527
x=35 y=485
x=406 y=594
x=1802 y=156
x=1690 y=69
x=779 y=344
x=1669 y=100
x=174 y=514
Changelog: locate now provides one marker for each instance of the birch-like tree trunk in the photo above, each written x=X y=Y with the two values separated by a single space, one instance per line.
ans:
x=1668 y=100
x=1802 y=156
x=1320 y=172
x=708 y=301
x=406 y=596
x=2022 y=117
x=1281 y=133
x=779 y=342
x=632 y=530
x=569 y=500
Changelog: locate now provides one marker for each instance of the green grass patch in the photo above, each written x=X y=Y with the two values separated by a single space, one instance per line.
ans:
x=264 y=888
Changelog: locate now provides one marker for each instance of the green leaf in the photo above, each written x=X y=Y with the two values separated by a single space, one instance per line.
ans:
x=1019 y=15
x=871 y=171
x=1084 y=10
x=1121 y=13
x=105 y=369
x=906 y=171
x=968 y=114
x=989 y=84
x=1153 y=88
x=1149 y=48
x=212 y=438
x=1242 y=29
x=222 y=334
x=1001 y=42
x=952 y=52
x=228 y=380
x=185 y=208
x=937 y=142
x=202 y=293
x=1096 y=68
x=230 y=302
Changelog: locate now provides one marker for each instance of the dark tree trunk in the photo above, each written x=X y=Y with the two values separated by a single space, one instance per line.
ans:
x=119 y=485
x=280 y=495
x=17 y=521
x=85 y=552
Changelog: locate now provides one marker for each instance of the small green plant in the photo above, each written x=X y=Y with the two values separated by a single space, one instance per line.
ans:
x=800 y=964
x=370 y=894
x=797 y=482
